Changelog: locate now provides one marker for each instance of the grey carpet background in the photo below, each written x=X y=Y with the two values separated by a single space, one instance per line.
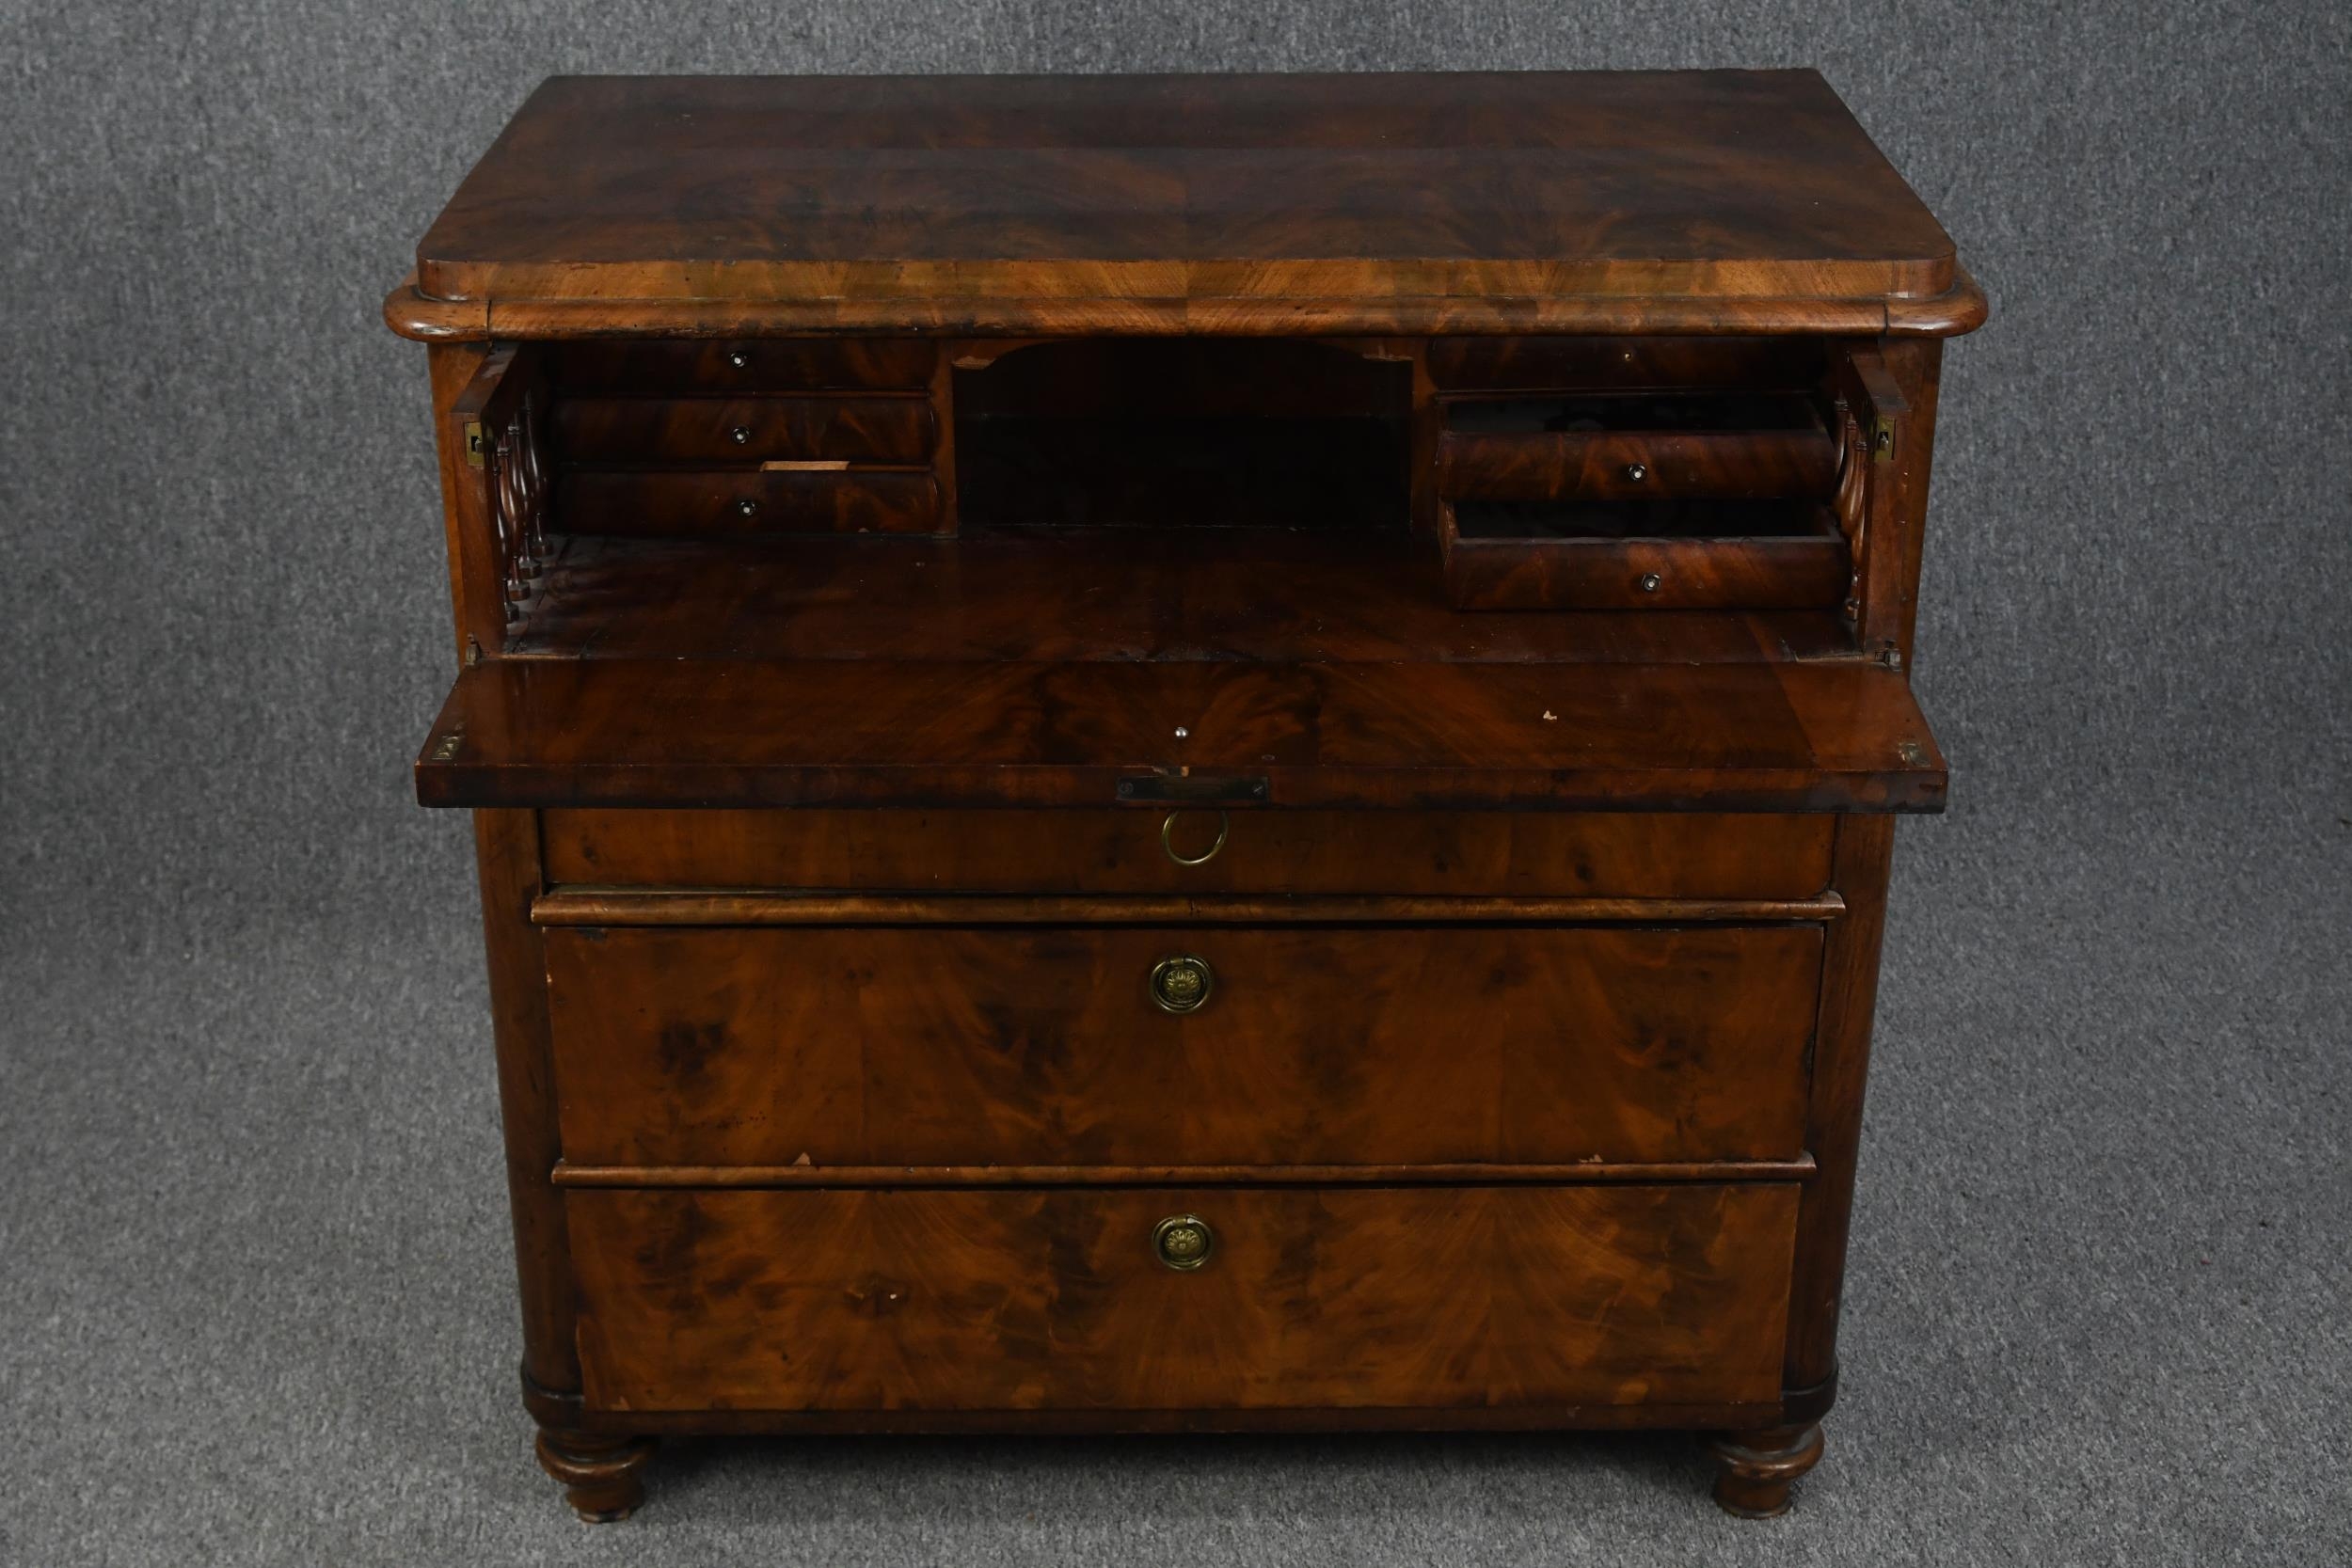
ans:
x=255 y=1301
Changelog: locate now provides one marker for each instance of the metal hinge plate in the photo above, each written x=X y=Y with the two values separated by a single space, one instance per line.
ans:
x=475 y=457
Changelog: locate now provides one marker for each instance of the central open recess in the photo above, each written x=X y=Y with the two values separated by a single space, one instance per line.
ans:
x=1184 y=433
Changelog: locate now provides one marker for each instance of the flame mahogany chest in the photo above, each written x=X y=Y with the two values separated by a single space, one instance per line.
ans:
x=1183 y=754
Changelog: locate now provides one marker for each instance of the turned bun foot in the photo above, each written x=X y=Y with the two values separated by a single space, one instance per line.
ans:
x=1754 y=1471
x=603 y=1478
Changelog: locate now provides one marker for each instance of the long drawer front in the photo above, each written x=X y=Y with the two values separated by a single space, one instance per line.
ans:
x=1655 y=855
x=1184 y=1046
x=1011 y=1300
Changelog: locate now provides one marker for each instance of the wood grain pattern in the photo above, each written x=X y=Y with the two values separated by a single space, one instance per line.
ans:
x=1054 y=594
x=1544 y=940
x=1963 y=307
x=653 y=366
x=1637 y=464
x=736 y=502
x=1326 y=1046
x=1718 y=184
x=1841 y=1065
x=1801 y=737
x=882 y=429
x=568 y=1174
x=1680 y=855
x=1562 y=361
x=1813 y=568
x=507 y=854
x=589 y=906
x=475 y=610
x=1011 y=1301
x=1655 y=1416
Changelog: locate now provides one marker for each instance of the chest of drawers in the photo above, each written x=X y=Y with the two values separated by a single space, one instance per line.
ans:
x=1183 y=754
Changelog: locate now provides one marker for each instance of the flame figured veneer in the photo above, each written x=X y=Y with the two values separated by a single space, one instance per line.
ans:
x=1183 y=754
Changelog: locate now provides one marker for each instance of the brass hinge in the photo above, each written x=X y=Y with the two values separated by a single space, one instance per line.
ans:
x=447 y=748
x=1881 y=440
x=475 y=457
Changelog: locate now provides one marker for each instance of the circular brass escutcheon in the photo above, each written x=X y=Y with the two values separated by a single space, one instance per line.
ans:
x=1182 y=984
x=1182 y=1242
x=1168 y=840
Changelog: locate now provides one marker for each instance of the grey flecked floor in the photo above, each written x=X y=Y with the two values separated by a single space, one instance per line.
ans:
x=259 y=1287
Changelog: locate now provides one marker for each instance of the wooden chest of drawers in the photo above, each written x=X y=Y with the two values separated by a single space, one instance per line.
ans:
x=1183 y=754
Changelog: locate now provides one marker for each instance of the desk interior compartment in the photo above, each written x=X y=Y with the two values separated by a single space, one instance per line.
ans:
x=1677 y=475
x=1185 y=433
x=718 y=441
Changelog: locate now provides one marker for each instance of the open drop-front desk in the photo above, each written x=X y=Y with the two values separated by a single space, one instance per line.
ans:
x=1183 y=754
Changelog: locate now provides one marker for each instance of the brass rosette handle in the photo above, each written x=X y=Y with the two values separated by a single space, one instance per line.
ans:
x=1182 y=1242
x=1182 y=984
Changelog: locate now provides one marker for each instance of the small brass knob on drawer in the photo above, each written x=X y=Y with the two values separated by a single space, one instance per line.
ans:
x=1182 y=984
x=747 y=508
x=1168 y=840
x=1650 y=581
x=1637 y=471
x=1182 y=1242
x=737 y=360
x=741 y=435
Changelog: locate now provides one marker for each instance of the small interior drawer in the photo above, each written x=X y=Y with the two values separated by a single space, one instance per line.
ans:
x=1022 y=1299
x=820 y=498
x=1644 y=555
x=1543 y=364
x=644 y=367
x=869 y=429
x=1635 y=447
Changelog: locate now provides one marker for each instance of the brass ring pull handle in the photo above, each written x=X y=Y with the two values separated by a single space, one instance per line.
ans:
x=1182 y=984
x=1182 y=1242
x=1168 y=840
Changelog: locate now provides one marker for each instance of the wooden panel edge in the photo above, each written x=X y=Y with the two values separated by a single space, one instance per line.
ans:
x=592 y=906
x=1584 y=1418
x=422 y=318
x=1240 y=316
x=565 y=1174
x=1954 y=313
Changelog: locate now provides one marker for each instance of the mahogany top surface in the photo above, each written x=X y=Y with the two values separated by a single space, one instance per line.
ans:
x=1727 y=184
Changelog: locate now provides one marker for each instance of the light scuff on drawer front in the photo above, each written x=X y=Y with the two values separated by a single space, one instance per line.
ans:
x=1015 y=1300
x=1563 y=854
x=1303 y=1045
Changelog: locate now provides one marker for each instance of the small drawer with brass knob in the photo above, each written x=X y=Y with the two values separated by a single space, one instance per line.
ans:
x=1600 y=445
x=814 y=495
x=879 y=428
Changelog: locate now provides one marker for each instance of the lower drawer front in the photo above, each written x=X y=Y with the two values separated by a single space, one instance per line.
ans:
x=1315 y=1045
x=1016 y=1300
x=1653 y=855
